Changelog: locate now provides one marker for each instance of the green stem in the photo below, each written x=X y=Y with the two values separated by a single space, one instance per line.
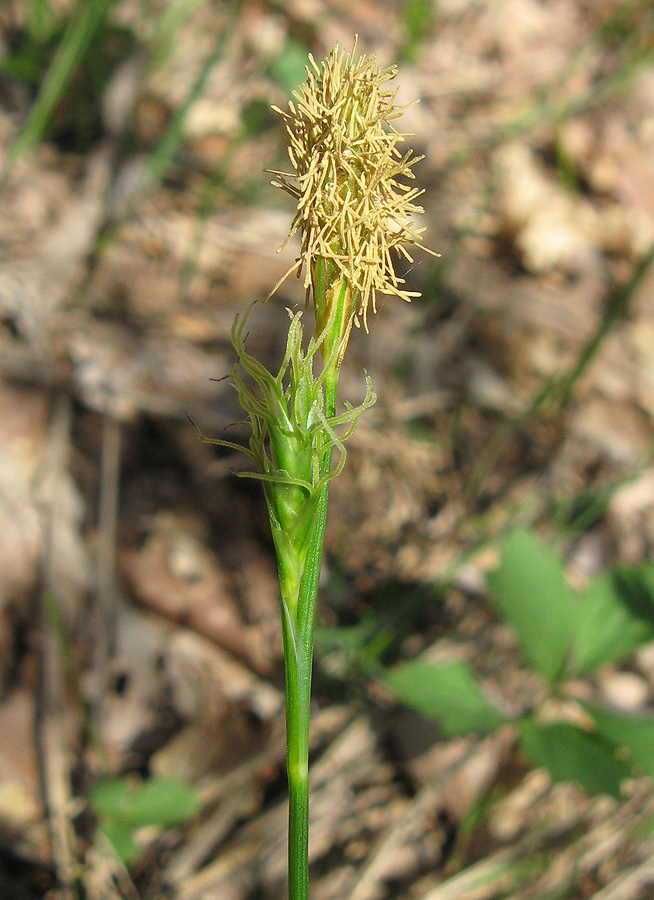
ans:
x=298 y=657
x=298 y=621
x=298 y=695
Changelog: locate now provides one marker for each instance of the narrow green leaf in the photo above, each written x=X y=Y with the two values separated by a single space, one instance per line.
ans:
x=168 y=25
x=447 y=692
x=572 y=754
x=41 y=18
x=70 y=52
x=529 y=590
x=497 y=875
x=616 y=616
x=164 y=152
x=634 y=733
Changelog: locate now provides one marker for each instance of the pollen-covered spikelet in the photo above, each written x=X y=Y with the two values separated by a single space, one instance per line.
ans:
x=351 y=208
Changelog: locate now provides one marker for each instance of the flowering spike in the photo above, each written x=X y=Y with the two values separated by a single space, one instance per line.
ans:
x=351 y=209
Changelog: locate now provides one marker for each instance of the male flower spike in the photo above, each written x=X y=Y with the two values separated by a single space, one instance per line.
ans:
x=351 y=208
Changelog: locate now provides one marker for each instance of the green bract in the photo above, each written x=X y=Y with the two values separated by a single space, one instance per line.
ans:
x=291 y=442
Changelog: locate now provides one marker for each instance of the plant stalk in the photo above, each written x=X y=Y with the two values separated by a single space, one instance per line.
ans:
x=298 y=658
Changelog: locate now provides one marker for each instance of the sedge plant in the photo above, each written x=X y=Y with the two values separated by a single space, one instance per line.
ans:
x=353 y=208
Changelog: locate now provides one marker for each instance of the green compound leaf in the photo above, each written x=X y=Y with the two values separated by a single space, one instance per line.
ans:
x=634 y=733
x=563 y=634
x=529 y=590
x=616 y=616
x=448 y=692
x=572 y=754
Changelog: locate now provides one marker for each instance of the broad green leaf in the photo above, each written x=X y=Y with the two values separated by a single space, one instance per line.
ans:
x=616 y=616
x=254 y=117
x=158 y=801
x=121 y=838
x=163 y=801
x=529 y=590
x=636 y=588
x=110 y=796
x=571 y=754
x=418 y=15
x=634 y=733
x=447 y=692
x=646 y=573
x=288 y=69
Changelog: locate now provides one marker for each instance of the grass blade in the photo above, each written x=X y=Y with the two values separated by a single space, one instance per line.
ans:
x=70 y=52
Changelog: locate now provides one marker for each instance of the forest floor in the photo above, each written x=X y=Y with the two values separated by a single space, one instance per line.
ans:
x=139 y=616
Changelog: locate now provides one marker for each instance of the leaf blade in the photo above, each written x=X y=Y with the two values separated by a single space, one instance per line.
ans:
x=157 y=801
x=616 y=617
x=571 y=754
x=447 y=692
x=634 y=733
x=529 y=590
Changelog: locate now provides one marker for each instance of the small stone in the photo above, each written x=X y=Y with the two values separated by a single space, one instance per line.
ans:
x=645 y=660
x=619 y=431
x=18 y=808
x=626 y=690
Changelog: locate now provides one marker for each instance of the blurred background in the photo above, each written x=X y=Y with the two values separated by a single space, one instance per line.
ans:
x=141 y=683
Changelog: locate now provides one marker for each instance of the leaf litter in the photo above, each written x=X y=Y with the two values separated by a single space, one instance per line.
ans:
x=536 y=124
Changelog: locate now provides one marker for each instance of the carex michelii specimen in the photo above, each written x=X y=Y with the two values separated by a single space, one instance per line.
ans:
x=351 y=182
